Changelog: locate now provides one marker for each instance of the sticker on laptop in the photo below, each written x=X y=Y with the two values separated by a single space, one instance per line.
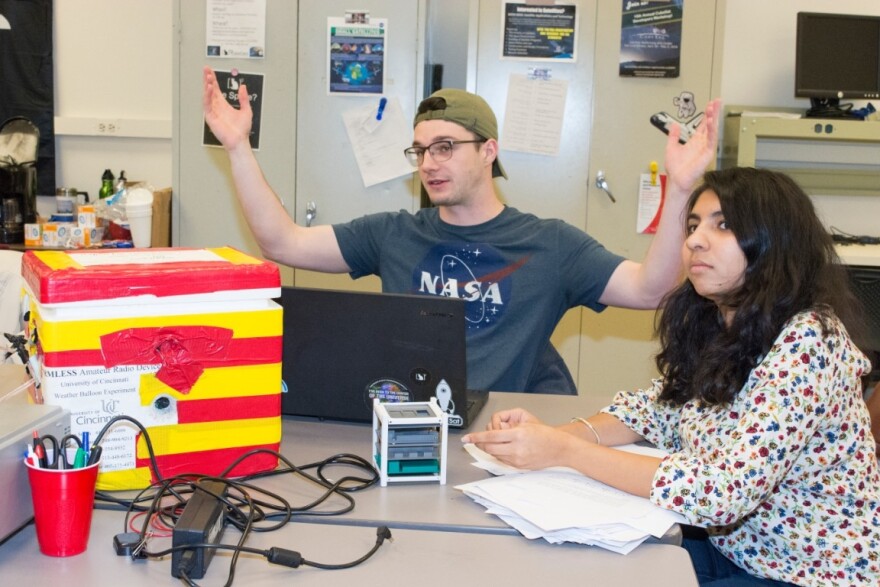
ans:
x=387 y=390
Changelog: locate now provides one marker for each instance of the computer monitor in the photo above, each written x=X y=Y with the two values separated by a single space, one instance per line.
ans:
x=837 y=57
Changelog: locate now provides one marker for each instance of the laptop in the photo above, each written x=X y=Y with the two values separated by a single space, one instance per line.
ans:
x=342 y=349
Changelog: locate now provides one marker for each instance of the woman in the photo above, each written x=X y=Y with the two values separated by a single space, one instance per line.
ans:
x=759 y=405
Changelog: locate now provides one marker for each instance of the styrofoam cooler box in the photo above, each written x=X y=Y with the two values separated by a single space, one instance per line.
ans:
x=185 y=341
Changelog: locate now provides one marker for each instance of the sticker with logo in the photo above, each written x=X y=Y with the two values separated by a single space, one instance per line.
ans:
x=386 y=390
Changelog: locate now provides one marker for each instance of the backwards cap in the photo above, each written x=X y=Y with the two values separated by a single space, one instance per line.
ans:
x=465 y=109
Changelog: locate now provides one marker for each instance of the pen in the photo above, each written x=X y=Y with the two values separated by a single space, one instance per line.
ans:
x=85 y=443
x=382 y=104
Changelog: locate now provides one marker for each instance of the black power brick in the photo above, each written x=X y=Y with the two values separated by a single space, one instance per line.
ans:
x=202 y=522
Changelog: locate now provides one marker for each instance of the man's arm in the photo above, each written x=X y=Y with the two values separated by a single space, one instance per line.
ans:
x=278 y=236
x=643 y=285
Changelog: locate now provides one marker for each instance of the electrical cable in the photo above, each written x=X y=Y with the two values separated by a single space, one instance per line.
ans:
x=841 y=237
x=246 y=506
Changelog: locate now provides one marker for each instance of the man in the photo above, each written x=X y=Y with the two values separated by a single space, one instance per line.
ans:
x=519 y=274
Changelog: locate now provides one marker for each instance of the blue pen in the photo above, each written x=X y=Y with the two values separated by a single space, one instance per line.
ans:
x=382 y=103
x=85 y=443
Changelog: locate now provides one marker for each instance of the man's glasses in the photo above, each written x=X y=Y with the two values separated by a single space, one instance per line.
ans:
x=440 y=151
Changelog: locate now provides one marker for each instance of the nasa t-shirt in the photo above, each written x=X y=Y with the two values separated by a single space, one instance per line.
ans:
x=518 y=274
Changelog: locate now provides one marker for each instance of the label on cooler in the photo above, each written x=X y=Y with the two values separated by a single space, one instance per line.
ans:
x=95 y=395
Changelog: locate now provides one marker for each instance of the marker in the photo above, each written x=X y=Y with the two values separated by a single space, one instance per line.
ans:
x=40 y=452
x=382 y=104
x=31 y=457
x=79 y=460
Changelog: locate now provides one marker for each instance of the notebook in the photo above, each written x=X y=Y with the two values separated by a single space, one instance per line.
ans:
x=342 y=349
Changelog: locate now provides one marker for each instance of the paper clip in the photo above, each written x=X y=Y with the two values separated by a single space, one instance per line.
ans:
x=653 y=167
x=382 y=104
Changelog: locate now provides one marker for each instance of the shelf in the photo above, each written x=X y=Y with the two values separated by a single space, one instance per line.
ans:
x=825 y=156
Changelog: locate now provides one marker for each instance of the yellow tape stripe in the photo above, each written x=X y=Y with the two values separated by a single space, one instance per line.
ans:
x=236 y=257
x=57 y=259
x=184 y=438
x=126 y=479
x=219 y=383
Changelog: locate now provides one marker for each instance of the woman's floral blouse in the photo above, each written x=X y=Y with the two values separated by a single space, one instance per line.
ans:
x=785 y=478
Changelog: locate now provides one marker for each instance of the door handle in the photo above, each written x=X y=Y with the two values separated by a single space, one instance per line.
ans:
x=602 y=184
x=311 y=212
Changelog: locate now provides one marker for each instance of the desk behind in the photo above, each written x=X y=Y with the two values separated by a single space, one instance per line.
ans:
x=864 y=255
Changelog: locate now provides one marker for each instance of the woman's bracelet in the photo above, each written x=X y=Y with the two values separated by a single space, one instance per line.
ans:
x=590 y=426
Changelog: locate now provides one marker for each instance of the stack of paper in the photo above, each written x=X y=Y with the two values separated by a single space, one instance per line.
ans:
x=562 y=505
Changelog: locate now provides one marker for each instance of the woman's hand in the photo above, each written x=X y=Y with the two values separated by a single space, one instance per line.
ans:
x=511 y=419
x=527 y=445
x=685 y=164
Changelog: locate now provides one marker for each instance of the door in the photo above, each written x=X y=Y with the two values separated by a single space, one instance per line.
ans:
x=618 y=347
x=327 y=176
x=549 y=186
x=205 y=210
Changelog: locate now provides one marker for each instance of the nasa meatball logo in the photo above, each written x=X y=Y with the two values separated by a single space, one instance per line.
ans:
x=476 y=273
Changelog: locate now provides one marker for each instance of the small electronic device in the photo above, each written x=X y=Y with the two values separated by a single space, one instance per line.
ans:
x=202 y=522
x=837 y=57
x=410 y=442
x=18 y=421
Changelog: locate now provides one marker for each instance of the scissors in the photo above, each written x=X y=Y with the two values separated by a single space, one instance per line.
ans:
x=57 y=458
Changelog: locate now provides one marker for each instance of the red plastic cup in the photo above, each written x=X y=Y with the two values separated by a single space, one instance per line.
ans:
x=63 y=501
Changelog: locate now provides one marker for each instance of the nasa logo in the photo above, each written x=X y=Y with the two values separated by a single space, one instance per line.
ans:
x=474 y=272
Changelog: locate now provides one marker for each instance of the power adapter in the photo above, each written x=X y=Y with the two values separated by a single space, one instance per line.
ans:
x=202 y=522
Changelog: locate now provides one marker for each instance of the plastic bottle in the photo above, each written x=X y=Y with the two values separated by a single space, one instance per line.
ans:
x=120 y=183
x=107 y=188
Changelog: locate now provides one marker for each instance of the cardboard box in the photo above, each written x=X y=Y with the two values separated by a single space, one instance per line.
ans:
x=185 y=341
x=161 y=235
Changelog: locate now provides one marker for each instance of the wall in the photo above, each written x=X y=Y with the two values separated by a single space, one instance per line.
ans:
x=112 y=67
x=122 y=71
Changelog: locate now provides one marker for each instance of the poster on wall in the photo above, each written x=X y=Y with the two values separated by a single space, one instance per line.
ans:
x=230 y=82
x=539 y=31
x=235 y=29
x=356 y=54
x=650 y=39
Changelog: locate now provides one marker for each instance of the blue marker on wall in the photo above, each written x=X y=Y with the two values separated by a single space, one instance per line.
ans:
x=382 y=104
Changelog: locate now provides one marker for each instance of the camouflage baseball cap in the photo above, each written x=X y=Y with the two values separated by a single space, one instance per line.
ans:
x=465 y=109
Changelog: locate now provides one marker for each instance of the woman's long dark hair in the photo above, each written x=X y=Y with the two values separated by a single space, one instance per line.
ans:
x=791 y=266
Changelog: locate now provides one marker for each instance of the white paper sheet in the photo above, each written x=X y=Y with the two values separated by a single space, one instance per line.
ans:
x=378 y=144
x=534 y=115
x=562 y=505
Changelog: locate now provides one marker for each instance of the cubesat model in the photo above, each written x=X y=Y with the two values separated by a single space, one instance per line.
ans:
x=409 y=441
